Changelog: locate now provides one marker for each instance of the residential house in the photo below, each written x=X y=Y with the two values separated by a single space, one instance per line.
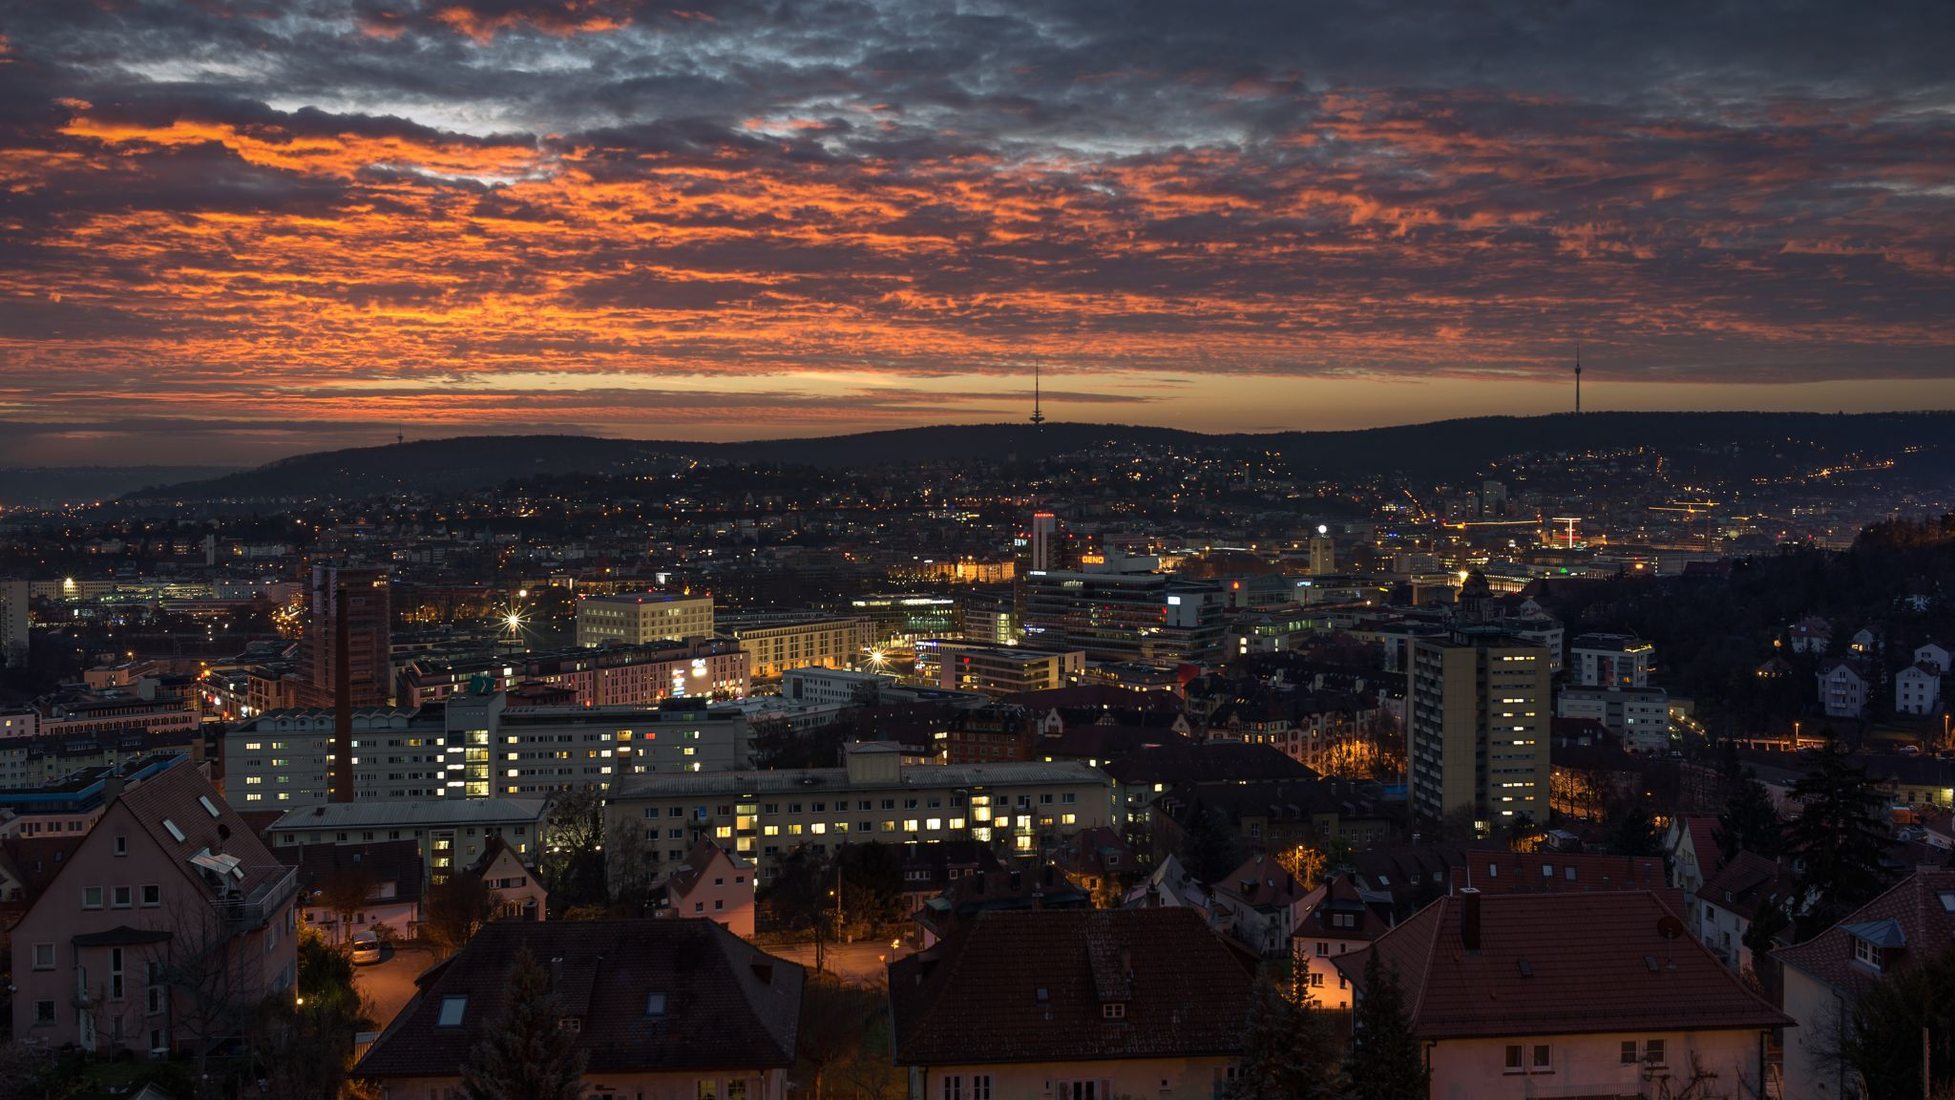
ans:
x=662 y=1009
x=714 y=884
x=1038 y=888
x=1690 y=846
x=519 y=894
x=1825 y=977
x=1098 y=861
x=930 y=869
x=1338 y=919
x=1261 y=904
x=1735 y=896
x=1570 y=994
x=1811 y=635
x=1936 y=656
x=1917 y=689
x=169 y=922
x=1072 y=1005
x=1842 y=690
x=390 y=871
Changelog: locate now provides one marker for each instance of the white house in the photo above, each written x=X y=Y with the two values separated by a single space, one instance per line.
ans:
x=1811 y=635
x=1842 y=691
x=1917 y=690
x=1935 y=656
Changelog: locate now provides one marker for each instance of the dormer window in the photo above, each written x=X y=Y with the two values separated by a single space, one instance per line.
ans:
x=1864 y=951
x=452 y=1011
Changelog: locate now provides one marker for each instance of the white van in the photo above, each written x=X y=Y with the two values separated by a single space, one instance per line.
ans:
x=366 y=947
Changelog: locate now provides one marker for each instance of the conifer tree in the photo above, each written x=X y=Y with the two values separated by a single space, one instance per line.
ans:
x=526 y=1054
x=1289 y=1051
x=1839 y=838
x=1387 y=1061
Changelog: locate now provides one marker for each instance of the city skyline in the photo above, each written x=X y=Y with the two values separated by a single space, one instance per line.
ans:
x=242 y=231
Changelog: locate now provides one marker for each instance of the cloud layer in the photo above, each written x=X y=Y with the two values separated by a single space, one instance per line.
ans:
x=756 y=218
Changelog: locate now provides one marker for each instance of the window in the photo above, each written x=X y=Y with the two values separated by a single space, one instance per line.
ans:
x=1543 y=1058
x=953 y=1088
x=121 y=897
x=1653 y=1052
x=1629 y=1054
x=709 y=1089
x=91 y=897
x=44 y=956
x=173 y=830
x=1865 y=951
x=654 y=1004
x=1081 y=1090
x=1114 y=1010
x=452 y=1009
x=122 y=845
x=981 y=1086
x=1514 y=1063
x=152 y=895
x=43 y=1013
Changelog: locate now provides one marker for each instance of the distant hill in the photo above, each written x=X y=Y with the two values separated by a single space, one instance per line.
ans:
x=40 y=486
x=1434 y=450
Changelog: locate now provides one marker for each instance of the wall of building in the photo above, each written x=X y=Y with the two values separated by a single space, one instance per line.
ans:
x=1154 y=1078
x=1592 y=1065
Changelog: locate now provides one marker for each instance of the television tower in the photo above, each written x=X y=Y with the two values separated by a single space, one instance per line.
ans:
x=1578 y=378
x=1037 y=416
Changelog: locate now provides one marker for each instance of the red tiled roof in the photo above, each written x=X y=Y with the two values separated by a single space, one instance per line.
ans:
x=1745 y=883
x=976 y=997
x=1923 y=904
x=1560 y=963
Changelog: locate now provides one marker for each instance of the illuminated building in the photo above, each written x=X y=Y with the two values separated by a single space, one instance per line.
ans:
x=1477 y=721
x=638 y=617
x=1116 y=616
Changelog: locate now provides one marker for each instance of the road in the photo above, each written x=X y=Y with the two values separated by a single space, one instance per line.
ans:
x=388 y=985
x=852 y=962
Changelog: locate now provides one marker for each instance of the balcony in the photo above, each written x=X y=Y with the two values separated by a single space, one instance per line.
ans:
x=251 y=910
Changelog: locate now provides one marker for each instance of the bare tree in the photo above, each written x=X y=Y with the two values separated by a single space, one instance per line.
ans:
x=213 y=974
x=345 y=890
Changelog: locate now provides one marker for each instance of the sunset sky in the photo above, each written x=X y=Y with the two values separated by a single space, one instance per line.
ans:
x=230 y=231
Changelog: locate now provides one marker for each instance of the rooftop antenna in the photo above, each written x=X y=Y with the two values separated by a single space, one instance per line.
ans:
x=1037 y=416
x=1578 y=378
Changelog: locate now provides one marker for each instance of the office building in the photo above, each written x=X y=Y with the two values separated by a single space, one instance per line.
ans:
x=1611 y=661
x=996 y=669
x=1477 y=720
x=634 y=618
x=613 y=675
x=452 y=834
x=346 y=651
x=14 y=622
x=1323 y=553
x=477 y=746
x=762 y=815
x=828 y=641
x=1124 y=616
x=1640 y=717
x=1045 y=541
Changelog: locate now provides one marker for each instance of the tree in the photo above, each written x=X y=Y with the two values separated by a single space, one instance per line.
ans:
x=454 y=910
x=345 y=890
x=1749 y=822
x=1387 y=1060
x=1838 y=838
x=1633 y=831
x=1209 y=850
x=1883 y=1039
x=572 y=866
x=526 y=1054
x=1289 y=1050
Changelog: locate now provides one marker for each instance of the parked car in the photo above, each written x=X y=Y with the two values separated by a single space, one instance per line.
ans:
x=366 y=947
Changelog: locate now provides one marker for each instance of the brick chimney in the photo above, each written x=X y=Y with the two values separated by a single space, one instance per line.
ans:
x=1469 y=918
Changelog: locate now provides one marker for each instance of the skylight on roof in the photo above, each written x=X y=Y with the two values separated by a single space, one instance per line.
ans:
x=1947 y=901
x=452 y=1009
x=170 y=826
x=654 y=1004
x=209 y=806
